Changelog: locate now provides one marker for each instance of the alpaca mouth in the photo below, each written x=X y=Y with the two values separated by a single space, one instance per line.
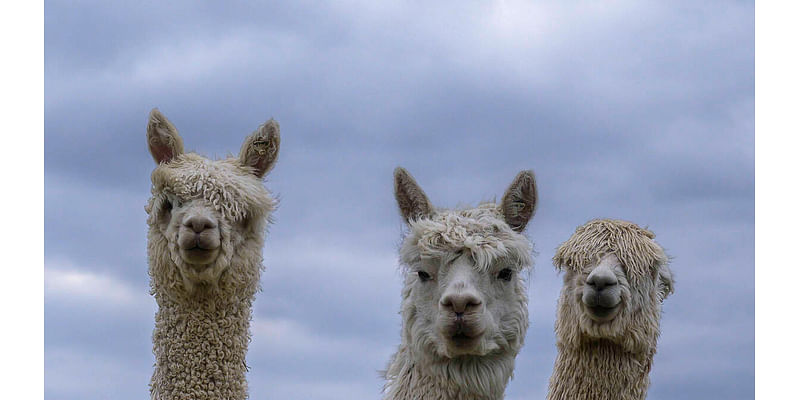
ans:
x=602 y=314
x=199 y=256
x=463 y=336
x=462 y=340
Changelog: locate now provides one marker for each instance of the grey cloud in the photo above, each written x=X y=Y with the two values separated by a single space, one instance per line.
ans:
x=636 y=110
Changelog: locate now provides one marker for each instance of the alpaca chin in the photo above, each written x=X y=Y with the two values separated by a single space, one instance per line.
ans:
x=206 y=280
x=477 y=344
x=207 y=276
x=200 y=259
x=481 y=347
x=601 y=315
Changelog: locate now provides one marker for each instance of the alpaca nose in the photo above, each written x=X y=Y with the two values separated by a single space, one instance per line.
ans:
x=199 y=223
x=601 y=278
x=460 y=303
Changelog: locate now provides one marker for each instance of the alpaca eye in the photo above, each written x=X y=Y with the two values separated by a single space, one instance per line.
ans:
x=171 y=202
x=505 y=274
x=166 y=207
x=423 y=276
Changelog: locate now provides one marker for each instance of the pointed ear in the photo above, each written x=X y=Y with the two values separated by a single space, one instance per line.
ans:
x=413 y=202
x=163 y=139
x=260 y=150
x=519 y=201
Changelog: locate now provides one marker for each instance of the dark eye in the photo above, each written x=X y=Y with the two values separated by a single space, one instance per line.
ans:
x=166 y=209
x=505 y=274
x=423 y=276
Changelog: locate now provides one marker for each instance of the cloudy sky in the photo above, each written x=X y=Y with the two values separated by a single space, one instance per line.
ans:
x=628 y=109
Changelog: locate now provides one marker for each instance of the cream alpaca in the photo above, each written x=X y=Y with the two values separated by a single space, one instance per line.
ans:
x=207 y=221
x=464 y=302
x=609 y=312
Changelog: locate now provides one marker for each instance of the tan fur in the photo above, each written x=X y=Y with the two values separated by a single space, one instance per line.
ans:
x=609 y=360
x=202 y=325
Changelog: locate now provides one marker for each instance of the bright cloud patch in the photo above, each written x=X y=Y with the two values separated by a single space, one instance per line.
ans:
x=64 y=281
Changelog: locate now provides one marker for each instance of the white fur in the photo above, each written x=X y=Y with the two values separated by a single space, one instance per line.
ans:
x=458 y=261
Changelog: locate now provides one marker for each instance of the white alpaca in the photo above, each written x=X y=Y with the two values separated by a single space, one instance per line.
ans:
x=207 y=221
x=464 y=307
x=609 y=311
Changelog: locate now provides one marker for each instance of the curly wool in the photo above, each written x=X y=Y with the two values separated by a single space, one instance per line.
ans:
x=225 y=184
x=202 y=331
x=415 y=371
x=610 y=360
x=480 y=230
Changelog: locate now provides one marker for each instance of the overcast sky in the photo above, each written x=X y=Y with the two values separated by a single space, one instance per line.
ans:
x=626 y=109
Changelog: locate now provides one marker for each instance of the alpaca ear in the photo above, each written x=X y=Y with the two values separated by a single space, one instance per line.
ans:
x=666 y=284
x=260 y=150
x=519 y=201
x=163 y=139
x=413 y=202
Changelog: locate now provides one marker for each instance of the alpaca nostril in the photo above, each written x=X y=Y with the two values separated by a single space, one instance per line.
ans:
x=461 y=303
x=199 y=224
x=601 y=281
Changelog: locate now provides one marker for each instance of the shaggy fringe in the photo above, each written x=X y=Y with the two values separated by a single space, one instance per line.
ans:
x=480 y=230
x=191 y=175
x=634 y=246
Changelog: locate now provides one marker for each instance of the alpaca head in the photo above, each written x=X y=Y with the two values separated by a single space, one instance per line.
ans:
x=207 y=217
x=464 y=293
x=616 y=278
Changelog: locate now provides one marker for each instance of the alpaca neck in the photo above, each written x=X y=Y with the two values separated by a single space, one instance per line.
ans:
x=599 y=369
x=464 y=378
x=200 y=349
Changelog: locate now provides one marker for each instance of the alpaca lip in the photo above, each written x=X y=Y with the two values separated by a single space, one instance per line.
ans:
x=463 y=336
x=199 y=248
x=602 y=314
x=199 y=255
x=462 y=340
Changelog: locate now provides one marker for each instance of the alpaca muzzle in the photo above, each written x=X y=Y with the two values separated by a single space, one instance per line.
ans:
x=602 y=294
x=199 y=241
x=602 y=305
x=462 y=332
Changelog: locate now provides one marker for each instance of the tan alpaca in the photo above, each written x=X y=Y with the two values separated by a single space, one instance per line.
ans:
x=207 y=222
x=609 y=311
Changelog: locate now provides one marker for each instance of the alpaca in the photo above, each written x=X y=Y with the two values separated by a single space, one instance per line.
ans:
x=207 y=221
x=609 y=312
x=464 y=304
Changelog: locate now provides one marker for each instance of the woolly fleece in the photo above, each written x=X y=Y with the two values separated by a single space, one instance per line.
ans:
x=202 y=326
